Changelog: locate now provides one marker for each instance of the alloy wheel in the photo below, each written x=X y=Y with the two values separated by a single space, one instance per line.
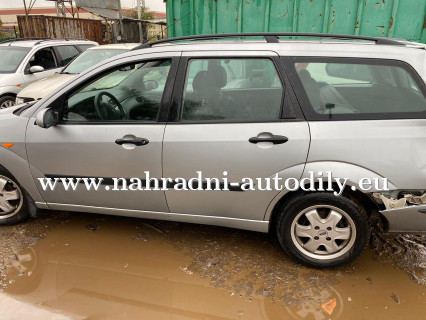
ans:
x=7 y=104
x=323 y=232
x=11 y=198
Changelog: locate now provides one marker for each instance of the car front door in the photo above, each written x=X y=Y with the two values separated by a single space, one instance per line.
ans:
x=102 y=119
x=44 y=57
x=228 y=107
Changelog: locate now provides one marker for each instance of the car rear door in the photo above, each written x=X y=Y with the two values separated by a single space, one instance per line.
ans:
x=226 y=107
x=66 y=54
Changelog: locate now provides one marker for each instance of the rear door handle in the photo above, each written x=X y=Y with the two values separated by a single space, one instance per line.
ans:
x=274 y=139
x=135 y=141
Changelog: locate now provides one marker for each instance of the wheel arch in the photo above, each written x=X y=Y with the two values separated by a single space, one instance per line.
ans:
x=32 y=209
x=364 y=201
x=19 y=170
x=8 y=94
x=340 y=170
x=14 y=95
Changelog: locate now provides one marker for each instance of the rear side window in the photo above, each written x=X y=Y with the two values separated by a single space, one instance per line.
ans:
x=374 y=89
x=231 y=90
x=67 y=53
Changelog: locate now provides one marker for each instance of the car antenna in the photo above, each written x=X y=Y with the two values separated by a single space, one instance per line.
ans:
x=176 y=21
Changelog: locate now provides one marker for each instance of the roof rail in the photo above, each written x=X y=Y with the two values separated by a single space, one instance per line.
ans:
x=40 y=39
x=21 y=39
x=273 y=38
x=62 y=39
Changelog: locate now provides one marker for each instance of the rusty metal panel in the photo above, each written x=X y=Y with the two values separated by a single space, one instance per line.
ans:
x=59 y=27
x=382 y=18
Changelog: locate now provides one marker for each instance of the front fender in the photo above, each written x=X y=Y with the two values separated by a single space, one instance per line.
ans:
x=9 y=90
x=18 y=167
x=14 y=159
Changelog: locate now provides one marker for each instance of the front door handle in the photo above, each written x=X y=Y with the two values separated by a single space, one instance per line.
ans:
x=135 y=141
x=274 y=139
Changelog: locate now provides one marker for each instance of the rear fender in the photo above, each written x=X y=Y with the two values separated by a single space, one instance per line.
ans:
x=339 y=170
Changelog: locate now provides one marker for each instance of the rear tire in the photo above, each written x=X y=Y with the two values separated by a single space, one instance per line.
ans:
x=322 y=230
x=7 y=101
x=14 y=201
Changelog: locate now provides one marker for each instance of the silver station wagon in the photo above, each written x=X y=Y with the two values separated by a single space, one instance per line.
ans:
x=344 y=114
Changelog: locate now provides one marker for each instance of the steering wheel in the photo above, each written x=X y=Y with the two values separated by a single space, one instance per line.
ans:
x=109 y=110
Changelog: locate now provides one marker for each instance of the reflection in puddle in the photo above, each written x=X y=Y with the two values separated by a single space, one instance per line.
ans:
x=407 y=251
x=246 y=263
x=121 y=268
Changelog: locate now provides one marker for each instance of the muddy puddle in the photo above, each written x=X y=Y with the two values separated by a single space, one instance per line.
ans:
x=84 y=266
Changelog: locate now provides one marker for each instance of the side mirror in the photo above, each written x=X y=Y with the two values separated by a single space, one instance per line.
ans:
x=36 y=69
x=47 y=118
x=150 y=85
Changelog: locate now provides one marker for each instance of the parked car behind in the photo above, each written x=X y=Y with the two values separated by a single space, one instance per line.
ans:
x=83 y=62
x=25 y=61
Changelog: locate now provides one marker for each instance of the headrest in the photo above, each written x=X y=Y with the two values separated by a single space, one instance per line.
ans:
x=220 y=76
x=215 y=77
x=202 y=81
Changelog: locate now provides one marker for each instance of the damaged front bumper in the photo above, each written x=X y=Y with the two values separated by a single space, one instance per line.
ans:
x=406 y=214
x=410 y=219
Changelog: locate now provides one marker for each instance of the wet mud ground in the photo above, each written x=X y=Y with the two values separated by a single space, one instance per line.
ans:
x=85 y=266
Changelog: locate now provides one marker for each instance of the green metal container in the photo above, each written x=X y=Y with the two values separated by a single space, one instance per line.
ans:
x=381 y=18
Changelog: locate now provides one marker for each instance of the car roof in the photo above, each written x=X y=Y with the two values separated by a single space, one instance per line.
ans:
x=126 y=46
x=311 y=48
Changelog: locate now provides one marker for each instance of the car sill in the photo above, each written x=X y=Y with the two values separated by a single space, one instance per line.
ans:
x=252 y=225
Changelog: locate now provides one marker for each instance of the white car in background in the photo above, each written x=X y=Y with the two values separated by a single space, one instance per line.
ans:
x=24 y=61
x=83 y=62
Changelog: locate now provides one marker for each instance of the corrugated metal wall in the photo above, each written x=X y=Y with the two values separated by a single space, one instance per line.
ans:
x=389 y=18
x=58 y=27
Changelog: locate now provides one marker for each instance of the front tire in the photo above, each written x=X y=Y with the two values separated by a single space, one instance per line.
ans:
x=7 y=101
x=14 y=205
x=322 y=230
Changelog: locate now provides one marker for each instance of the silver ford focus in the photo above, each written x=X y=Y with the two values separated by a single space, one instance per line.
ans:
x=303 y=138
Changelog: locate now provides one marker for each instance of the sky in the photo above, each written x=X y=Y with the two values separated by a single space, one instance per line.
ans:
x=155 y=5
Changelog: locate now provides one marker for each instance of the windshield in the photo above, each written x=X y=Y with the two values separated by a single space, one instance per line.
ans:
x=11 y=58
x=89 y=58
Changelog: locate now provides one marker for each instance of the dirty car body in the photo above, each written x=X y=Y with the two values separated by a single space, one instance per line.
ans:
x=356 y=109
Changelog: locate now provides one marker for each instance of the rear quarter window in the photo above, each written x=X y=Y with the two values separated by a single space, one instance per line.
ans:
x=67 y=53
x=352 y=89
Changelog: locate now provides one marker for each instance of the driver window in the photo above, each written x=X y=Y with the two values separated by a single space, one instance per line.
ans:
x=43 y=58
x=129 y=93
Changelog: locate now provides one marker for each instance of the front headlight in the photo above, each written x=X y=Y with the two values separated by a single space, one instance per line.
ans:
x=19 y=100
